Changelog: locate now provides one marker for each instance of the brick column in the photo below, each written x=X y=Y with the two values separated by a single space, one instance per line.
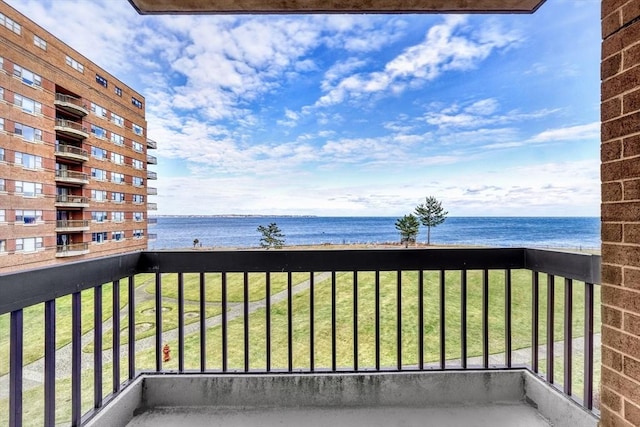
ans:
x=620 y=173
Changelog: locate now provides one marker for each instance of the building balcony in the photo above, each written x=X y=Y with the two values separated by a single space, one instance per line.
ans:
x=72 y=177
x=152 y=160
x=72 y=225
x=152 y=221
x=72 y=153
x=152 y=206
x=152 y=191
x=71 y=129
x=152 y=144
x=74 y=249
x=71 y=201
x=71 y=105
x=152 y=236
x=152 y=175
x=458 y=336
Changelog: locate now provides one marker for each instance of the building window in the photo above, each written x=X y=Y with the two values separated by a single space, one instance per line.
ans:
x=117 y=216
x=117 y=139
x=28 y=105
x=10 y=24
x=137 y=181
x=28 y=133
x=75 y=64
x=39 y=42
x=28 y=189
x=29 y=244
x=27 y=76
x=117 y=178
x=117 y=197
x=3 y=218
x=138 y=216
x=137 y=164
x=99 y=237
x=28 y=217
x=101 y=80
x=117 y=235
x=28 y=161
x=3 y=246
x=99 y=174
x=118 y=91
x=137 y=129
x=117 y=119
x=98 y=110
x=118 y=159
x=136 y=102
x=1 y=154
x=138 y=198
x=98 y=195
x=1 y=119
x=98 y=132
x=138 y=234
x=98 y=216
x=2 y=187
x=137 y=147
x=99 y=153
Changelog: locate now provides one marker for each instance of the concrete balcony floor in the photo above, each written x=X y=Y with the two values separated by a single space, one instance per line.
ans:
x=451 y=398
x=490 y=415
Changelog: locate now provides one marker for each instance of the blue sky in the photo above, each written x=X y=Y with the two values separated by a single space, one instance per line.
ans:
x=357 y=114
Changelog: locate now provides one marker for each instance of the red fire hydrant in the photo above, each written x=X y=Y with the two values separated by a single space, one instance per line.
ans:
x=166 y=352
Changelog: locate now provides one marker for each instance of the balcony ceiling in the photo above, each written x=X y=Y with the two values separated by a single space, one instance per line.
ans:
x=333 y=6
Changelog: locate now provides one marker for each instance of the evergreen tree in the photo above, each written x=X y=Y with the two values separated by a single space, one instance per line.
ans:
x=431 y=214
x=408 y=226
x=272 y=236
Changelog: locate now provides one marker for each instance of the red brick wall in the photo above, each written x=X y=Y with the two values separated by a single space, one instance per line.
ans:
x=620 y=155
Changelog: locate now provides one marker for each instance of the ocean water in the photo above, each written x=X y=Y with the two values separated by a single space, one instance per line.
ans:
x=545 y=232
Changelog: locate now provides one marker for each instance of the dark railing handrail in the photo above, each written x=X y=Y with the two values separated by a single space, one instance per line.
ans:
x=21 y=289
x=46 y=285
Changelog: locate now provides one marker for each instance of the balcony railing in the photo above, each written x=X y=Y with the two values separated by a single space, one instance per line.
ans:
x=152 y=220
x=152 y=144
x=68 y=200
x=72 y=225
x=297 y=311
x=152 y=160
x=71 y=129
x=72 y=249
x=152 y=175
x=71 y=104
x=71 y=152
x=72 y=176
x=152 y=191
x=152 y=206
x=152 y=236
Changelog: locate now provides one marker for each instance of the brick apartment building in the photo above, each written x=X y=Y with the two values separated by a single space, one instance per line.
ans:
x=73 y=153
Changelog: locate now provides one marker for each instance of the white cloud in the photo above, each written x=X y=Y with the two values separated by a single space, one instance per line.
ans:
x=579 y=132
x=449 y=46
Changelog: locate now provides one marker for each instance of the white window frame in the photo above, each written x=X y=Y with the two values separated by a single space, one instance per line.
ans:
x=41 y=43
x=99 y=111
x=74 y=64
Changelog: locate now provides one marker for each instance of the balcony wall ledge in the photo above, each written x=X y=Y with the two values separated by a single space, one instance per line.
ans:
x=451 y=395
